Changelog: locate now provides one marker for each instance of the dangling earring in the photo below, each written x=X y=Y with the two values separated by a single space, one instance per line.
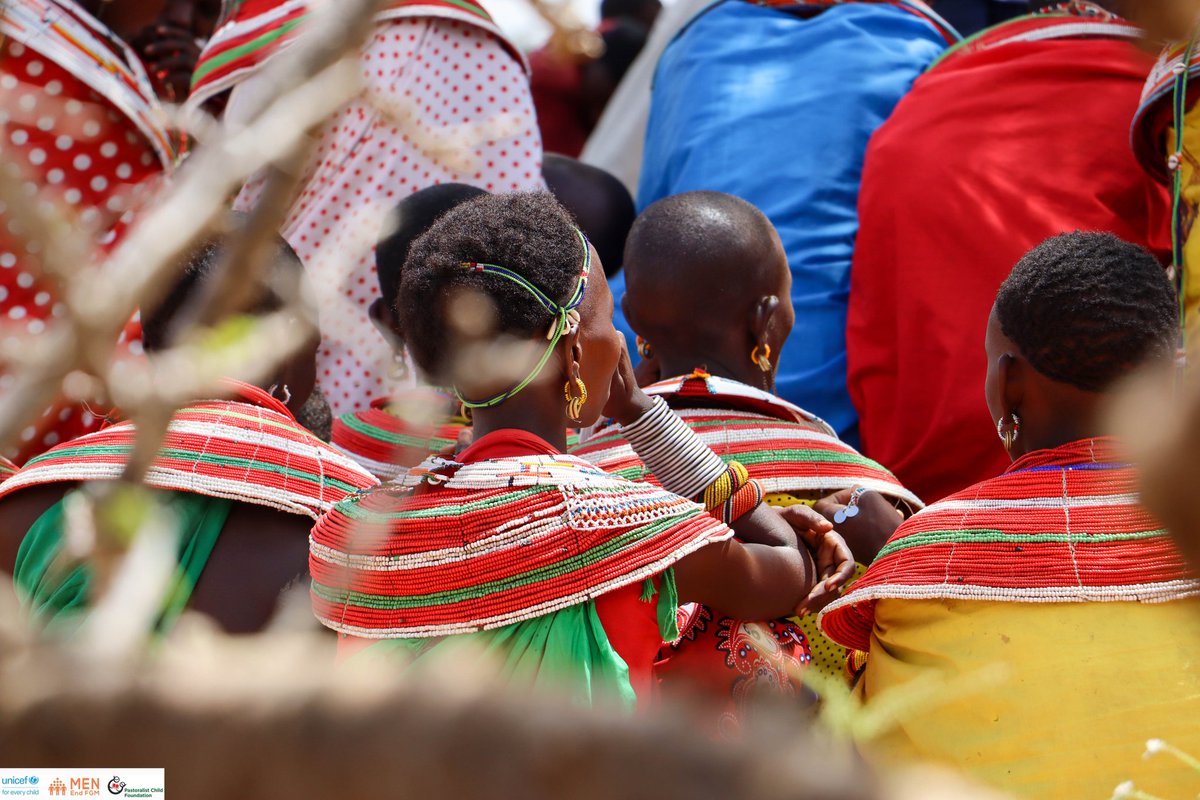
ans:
x=763 y=359
x=643 y=348
x=575 y=402
x=287 y=393
x=399 y=371
x=1009 y=433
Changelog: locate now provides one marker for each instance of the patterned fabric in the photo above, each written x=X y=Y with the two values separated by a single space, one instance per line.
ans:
x=823 y=83
x=458 y=548
x=387 y=441
x=251 y=450
x=784 y=448
x=1149 y=130
x=7 y=469
x=454 y=73
x=252 y=31
x=82 y=124
x=1166 y=139
x=742 y=662
x=933 y=199
x=1060 y=526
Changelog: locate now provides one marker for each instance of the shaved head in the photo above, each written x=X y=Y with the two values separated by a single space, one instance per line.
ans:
x=697 y=265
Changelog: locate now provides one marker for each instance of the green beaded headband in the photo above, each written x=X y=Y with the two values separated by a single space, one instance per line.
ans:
x=566 y=317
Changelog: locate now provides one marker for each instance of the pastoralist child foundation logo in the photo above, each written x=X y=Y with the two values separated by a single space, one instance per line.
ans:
x=116 y=785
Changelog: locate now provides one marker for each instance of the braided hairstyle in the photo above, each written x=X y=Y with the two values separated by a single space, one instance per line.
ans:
x=1086 y=308
x=528 y=232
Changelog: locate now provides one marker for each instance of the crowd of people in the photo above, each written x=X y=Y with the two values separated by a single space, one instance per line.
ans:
x=697 y=416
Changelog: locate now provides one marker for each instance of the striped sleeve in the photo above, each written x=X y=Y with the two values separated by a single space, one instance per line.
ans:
x=672 y=451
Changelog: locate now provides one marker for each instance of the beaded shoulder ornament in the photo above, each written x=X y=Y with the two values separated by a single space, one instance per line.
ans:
x=565 y=322
x=491 y=543
x=386 y=442
x=253 y=452
x=774 y=439
x=1062 y=525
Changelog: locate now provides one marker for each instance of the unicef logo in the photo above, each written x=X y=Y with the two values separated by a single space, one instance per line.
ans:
x=33 y=779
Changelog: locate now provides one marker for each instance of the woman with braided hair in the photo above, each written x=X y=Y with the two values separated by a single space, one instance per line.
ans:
x=568 y=575
x=1052 y=570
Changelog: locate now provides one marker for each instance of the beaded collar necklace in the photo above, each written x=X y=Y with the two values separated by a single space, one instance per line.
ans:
x=566 y=317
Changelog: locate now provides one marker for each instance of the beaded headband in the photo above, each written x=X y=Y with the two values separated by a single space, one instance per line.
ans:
x=566 y=317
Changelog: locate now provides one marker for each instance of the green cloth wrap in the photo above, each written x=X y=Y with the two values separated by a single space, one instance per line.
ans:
x=56 y=594
x=565 y=651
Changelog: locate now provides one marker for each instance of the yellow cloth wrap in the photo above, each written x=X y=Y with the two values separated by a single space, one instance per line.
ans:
x=828 y=657
x=1189 y=204
x=1086 y=685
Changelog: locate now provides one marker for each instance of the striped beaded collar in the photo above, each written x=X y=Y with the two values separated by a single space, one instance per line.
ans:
x=735 y=394
x=1062 y=525
x=251 y=450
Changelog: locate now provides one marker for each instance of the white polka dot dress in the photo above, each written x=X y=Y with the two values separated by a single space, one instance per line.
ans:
x=70 y=146
x=453 y=73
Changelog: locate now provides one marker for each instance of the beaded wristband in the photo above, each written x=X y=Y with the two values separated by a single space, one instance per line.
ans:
x=742 y=502
x=673 y=452
x=726 y=485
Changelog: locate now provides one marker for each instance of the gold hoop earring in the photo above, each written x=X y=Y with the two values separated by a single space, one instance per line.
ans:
x=1009 y=433
x=575 y=403
x=763 y=359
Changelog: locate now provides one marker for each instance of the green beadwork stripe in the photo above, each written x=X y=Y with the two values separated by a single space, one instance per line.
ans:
x=355 y=510
x=516 y=581
x=466 y=6
x=194 y=456
x=68 y=453
x=996 y=536
x=391 y=437
x=234 y=53
x=806 y=454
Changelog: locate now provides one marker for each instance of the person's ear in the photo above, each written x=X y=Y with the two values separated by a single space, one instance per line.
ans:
x=1011 y=377
x=760 y=324
x=384 y=319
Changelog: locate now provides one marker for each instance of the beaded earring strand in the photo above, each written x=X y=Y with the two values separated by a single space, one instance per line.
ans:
x=566 y=317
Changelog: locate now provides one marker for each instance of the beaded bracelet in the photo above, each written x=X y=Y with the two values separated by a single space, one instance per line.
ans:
x=673 y=452
x=747 y=498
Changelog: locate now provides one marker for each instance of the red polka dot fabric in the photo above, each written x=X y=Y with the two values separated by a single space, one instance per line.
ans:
x=70 y=146
x=452 y=73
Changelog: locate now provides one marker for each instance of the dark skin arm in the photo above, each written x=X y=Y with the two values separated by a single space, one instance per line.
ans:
x=261 y=552
x=766 y=574
x=867 y=532
x=18 y=512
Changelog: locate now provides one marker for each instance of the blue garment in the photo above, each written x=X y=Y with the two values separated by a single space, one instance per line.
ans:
x=777 y=109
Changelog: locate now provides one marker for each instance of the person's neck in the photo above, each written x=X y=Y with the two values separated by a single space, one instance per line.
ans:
x=542 y=417
x=673 y=364
x=1055 y=432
